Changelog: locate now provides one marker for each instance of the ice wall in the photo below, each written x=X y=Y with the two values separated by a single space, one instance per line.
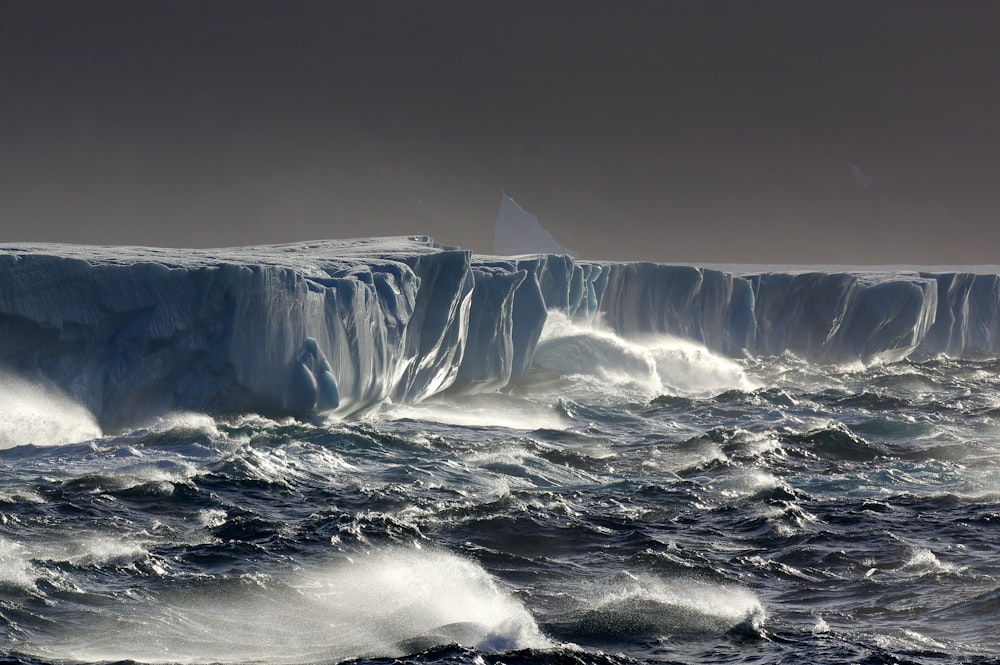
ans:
x=967 y=319
x=132 y=333
x=835 y=315
x=337 y=326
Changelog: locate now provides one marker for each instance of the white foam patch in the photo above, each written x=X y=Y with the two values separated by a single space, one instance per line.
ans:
x=380 y=605
x=15 y=565
x=291 y=464
x=675 y=459
x=746 y=482
x=479 y=410
x=162 y=471
x=210 y=518
x=678 y=606
x=188 y=420
x=687 y=368
x=905 y=640
x=35 y=414
x=20 y=495
x=521 y=468
x=599 y=362
x=91 y=549
x=925 y=562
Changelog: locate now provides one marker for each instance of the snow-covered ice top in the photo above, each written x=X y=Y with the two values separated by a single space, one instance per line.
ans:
x=338 y=325
x=316 y=257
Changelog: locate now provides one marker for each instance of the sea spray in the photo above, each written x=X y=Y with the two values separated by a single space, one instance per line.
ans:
x=40 y=414
x=379 y=604
x=595 y=360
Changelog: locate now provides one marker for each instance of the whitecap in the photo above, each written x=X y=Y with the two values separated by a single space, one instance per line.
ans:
x=477 y=410
x=653 y=607
x=925 y=562
x=92 y=549
x=596 y=363
x=383 y=604
x=15 y=565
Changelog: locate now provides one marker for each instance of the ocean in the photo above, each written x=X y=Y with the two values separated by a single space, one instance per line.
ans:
x=626 y=501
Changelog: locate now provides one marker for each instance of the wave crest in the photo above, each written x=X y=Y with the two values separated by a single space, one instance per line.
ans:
x=596 y=360
x=649 y=607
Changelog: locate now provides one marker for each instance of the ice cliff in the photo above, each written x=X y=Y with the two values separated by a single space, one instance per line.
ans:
x=298 y=329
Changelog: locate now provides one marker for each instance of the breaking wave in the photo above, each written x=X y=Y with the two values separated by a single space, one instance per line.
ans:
x=383 y=604
x=596 y=359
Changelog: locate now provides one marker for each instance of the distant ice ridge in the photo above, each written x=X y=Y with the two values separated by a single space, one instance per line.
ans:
x=518 y=232
x=336 y=326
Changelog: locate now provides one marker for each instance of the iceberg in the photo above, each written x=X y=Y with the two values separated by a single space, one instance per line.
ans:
x=132 y=333
x=517 y=231
x=337 y=326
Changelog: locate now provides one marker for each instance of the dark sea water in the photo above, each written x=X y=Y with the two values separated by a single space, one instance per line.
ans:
x=626 y=502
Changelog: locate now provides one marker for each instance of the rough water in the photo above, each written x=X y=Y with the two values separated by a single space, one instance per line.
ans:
x=626 y=501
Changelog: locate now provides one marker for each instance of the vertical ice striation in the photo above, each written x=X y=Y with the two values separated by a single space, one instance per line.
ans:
x=437 y=331
x=967 y=321
x=490 y=360
x=841 y=317
x=132 y=333
x=337 y=326
x=707 y=306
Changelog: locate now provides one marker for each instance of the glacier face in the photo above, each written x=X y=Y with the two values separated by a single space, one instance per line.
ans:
x=336 y=326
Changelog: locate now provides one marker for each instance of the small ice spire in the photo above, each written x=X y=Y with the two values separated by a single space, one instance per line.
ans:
x=518 y=232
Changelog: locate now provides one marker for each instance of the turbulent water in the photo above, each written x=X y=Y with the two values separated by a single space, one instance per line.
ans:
x=625 y=501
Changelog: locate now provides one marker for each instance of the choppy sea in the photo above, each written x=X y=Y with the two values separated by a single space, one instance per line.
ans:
x=627 y=501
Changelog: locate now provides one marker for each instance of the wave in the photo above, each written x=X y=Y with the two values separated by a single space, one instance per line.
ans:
x=477 y=410
x=383 y=604
x=649 y=607
x=592 y=360
x=16 y=569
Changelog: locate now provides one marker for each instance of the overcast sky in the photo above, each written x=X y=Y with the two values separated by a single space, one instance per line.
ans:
x=798 y=131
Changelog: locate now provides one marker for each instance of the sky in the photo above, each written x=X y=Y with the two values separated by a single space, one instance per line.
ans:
x=790 y=131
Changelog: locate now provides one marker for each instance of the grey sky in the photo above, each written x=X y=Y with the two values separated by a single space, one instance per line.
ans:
x=673 y=131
